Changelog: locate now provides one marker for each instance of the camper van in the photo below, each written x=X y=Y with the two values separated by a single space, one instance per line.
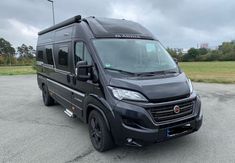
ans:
x=114 y=75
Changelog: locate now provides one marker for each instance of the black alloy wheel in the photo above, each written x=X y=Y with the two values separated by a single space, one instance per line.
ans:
x=100 y=136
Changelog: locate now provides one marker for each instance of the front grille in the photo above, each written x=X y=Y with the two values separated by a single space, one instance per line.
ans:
x=165 y=113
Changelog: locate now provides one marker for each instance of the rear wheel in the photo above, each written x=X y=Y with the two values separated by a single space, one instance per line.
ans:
x=100 y=136
x=47 y=99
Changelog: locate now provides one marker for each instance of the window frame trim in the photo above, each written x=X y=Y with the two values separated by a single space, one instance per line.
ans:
x=84 y=45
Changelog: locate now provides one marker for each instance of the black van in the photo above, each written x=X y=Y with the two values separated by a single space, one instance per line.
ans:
x=116 y=76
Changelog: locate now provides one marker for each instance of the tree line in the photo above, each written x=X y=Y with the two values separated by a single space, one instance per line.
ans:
x=22 y=55
x=225 y=52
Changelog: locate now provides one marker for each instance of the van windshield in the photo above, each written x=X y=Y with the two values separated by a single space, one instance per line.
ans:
x=134 y=55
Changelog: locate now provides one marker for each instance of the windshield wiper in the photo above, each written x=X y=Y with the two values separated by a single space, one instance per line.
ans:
x=151 y=73
x=171 y=71
x=121 y=71
x=157 y=73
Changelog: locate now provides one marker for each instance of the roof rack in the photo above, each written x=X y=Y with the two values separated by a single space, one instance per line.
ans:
x=75 y=19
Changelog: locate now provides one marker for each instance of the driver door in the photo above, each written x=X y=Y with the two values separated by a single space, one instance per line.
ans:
x=81 y=88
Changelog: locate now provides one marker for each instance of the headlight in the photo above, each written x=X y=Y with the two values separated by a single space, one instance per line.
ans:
x=190 y=86
x=127 y=94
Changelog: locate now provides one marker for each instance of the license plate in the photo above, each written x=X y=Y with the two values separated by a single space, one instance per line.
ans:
x=174 y=131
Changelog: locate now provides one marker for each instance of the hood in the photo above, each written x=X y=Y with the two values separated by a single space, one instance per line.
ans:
x=156 y=90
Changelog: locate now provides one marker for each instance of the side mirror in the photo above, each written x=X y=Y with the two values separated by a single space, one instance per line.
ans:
x=176 y=60
x=83 y=71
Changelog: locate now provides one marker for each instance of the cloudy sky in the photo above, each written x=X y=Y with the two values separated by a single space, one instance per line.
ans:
x=177 y=23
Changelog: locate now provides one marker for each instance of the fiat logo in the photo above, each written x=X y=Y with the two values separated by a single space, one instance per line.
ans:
x=176 y=109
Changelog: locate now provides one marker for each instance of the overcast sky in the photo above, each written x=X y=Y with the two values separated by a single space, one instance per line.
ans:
x=176 y=23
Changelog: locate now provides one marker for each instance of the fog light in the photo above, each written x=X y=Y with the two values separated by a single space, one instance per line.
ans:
x=135 y=123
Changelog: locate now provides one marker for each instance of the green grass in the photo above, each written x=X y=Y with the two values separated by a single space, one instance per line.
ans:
x=16 y=70
x=210 y=72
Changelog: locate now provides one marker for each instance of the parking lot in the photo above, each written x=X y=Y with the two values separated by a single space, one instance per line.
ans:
x=31 y=132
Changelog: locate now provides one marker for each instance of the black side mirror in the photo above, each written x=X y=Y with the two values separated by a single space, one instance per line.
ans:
x=83 y=71
x=176 y=60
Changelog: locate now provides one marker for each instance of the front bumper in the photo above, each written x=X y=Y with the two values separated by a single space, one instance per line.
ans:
x=133 y=125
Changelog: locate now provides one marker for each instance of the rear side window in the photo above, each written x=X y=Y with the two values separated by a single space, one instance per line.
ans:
x=49 y=56
x=63 y=56
x=40 y=55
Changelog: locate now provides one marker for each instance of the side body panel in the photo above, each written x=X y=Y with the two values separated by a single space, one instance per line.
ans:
x=63 y=86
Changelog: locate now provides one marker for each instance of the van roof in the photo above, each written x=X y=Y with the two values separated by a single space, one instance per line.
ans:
x=107 y=27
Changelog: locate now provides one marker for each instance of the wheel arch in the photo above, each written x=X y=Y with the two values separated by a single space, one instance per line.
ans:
x=41 y=80
x=95 y=103
x=91 y=107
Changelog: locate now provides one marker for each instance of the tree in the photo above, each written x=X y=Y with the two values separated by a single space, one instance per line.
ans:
x=25 y=51
x=227 y=51
x=226 y=47
x=7 y=52
x=202 y=51
x=191 y=55
x=6 y=47
x=175 y=54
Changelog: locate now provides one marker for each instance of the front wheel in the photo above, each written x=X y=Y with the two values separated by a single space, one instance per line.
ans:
x=100 y=136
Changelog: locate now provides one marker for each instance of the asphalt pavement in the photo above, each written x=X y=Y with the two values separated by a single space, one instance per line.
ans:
x=31 y=132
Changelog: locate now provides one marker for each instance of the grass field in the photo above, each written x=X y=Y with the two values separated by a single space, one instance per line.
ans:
x=16 y=70
x=210 y=72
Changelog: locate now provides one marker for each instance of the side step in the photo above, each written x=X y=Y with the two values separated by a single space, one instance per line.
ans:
x=69 y=113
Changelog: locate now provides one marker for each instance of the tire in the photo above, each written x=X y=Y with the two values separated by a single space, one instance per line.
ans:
x=101 y=138
x=47 y=99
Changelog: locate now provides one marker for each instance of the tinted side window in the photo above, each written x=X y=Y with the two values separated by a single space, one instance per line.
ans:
x=49 y=56
x=40 y=55
x=63 y=56
x=78 y=52
x=82 y=53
